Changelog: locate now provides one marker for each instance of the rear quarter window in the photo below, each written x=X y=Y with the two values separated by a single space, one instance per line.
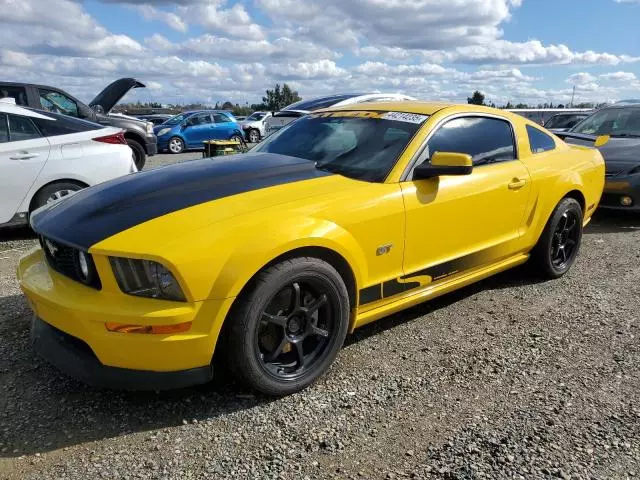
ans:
x=539 y=141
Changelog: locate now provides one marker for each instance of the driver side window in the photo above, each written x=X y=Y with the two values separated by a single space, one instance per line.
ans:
x=57 y=102
x=487 y=140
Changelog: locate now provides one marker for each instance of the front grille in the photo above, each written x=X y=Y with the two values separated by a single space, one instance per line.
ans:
x=64 y=260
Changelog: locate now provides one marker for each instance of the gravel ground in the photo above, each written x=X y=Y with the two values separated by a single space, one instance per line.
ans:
x=509 y=378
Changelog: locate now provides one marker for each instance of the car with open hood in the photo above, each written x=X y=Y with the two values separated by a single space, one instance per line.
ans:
x=138 y=133
x=46 y=156
x=621 y=123
x=263 y=262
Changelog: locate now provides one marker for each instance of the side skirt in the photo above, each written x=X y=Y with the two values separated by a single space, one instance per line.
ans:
x=432 y=291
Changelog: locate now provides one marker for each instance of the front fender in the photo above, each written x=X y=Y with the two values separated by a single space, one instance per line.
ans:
x=249 y=257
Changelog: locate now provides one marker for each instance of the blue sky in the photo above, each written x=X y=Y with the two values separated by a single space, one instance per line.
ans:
x=531 y=51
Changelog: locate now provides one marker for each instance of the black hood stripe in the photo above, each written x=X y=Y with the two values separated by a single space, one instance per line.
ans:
x=97 y=213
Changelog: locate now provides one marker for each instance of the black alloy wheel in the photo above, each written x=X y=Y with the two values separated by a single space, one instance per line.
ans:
x=294 y=329
x=564 y=243
x=287 y=328
x=558 y=246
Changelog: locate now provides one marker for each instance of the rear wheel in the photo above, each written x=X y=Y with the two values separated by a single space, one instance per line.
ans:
x=289 y=327
x=237 y=138
x=51 y=193
x=176 y=145
x=139 y=155
x=559 y=244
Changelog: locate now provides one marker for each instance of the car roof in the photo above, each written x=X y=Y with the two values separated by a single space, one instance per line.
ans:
x=8 y=105
x=22 y=84
x=425 y=108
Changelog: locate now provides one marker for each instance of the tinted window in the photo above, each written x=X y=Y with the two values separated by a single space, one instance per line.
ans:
x=19 y=93
x=58 y=103
x=256 y=116
x=360 y=145
x=4 y=131
x=220 y=118
x=63 y=125
x=200 y=119
x=21 y=128
x=539 y=141
x=487 y=140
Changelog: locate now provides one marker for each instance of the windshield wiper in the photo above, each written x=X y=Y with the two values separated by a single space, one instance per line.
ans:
x=625 y=135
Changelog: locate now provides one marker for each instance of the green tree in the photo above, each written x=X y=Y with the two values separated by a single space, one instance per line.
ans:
x=227 y=106
x=279 y=98
x=476 y=99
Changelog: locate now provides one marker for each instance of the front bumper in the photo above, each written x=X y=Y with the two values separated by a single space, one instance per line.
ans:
x=151 y=145
x=80 y=313
x=75 y=358
x=618 y=187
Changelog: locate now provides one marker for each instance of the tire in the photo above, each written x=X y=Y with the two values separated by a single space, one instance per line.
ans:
x=253 y=136
x=278 y=341
x=558 y=246
x=237 y=138
x=53 y=191
x=139 y=155
x=176 y=145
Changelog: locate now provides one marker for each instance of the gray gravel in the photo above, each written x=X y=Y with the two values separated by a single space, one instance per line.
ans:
x=509 y=378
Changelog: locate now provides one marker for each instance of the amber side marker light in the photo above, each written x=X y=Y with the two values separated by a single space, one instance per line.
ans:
x=151 y=329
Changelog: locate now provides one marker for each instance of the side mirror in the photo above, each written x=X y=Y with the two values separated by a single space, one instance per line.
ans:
x=444 y=163
x=98 y=109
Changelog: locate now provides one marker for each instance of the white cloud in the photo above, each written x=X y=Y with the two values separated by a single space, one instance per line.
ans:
x=582 y=78
x=620 y=76
x=171 y=19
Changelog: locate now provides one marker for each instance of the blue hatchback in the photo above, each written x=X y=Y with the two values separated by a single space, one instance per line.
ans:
x=191 y=129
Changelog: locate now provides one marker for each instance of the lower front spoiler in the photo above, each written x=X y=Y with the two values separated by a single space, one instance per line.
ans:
x=75 y=358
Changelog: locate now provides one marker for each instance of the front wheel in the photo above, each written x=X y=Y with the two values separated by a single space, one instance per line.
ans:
x=254 y=136
x=287 y=330
x=557 y=248
x=139 y=155
x=176 y=145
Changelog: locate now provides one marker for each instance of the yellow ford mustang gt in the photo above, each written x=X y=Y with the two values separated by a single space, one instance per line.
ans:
x=263 y=262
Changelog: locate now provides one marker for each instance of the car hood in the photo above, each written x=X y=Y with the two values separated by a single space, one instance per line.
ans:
x=99 y=212
x=113 y=92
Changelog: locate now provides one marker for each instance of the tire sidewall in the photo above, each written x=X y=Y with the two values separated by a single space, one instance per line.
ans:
x=257 y=303
x=41 y=197
x=139 y=155
x=566 y=205
x=256 y=133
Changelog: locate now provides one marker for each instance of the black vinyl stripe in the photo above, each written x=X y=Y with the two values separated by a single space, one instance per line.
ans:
x=437 y=273
x=94 y=214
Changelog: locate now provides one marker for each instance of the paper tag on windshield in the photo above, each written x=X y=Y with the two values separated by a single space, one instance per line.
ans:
x=404 y=117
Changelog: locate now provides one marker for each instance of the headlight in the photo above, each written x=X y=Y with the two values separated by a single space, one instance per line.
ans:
x=149 y=128
x=84 y=266
x=146 y=278
x=164 y=131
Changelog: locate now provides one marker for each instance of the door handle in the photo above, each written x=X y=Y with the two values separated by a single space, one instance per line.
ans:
x=516 y=184
x=23 y=156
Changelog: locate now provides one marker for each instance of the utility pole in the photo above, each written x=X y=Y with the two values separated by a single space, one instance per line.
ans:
x=573 y=95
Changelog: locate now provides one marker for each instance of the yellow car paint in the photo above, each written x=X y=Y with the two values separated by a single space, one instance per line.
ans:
x=403 y=240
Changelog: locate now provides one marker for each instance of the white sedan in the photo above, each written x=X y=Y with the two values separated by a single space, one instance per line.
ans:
x=44 y=157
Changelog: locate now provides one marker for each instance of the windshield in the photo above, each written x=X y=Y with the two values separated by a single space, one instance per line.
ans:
x=617 y=122
x=256 y=116
x=176 y=120
x=564 y=121
x=357 y=144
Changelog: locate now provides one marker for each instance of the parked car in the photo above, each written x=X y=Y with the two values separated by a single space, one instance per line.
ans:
x=621 y=153
x=190 y=129
x=155 y=118
x=262 y=262
x=564 y=121
x=138 y=133
x=542 y=115
x=240 y=118
x=303 y=107
x=255 y=126
x=44 y=157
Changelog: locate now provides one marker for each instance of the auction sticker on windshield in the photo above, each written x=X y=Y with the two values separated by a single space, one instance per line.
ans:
x=404 y=117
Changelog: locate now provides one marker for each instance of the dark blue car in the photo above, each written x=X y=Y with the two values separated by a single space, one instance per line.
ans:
x=190 y=129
